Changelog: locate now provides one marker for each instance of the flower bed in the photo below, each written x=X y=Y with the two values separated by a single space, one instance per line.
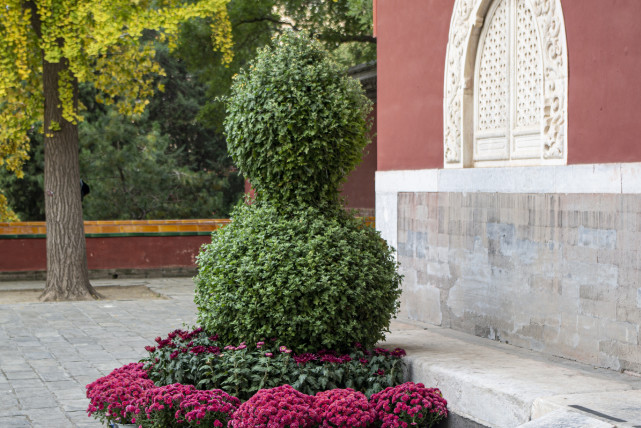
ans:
x=278 y=407
x=344 y=408
x=198 y=358
x=409 y=404
x=177 y=405
x=110 y=395
x=182 y=405
x=135 y=393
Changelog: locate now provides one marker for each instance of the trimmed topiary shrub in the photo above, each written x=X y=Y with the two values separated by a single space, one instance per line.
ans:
x=296 y=124
x=294 y=265
x=310 y=279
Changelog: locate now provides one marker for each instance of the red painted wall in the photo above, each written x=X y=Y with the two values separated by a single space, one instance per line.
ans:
x=411 y=44
x=604 y=109
x=359 y=190
x=137 y=252
x=22 y=255
x=604 y=105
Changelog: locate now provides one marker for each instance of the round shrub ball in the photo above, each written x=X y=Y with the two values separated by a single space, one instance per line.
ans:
x=296 y=123
x=312 y=279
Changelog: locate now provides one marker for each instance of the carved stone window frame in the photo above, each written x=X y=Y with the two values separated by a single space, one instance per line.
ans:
x=458 y=101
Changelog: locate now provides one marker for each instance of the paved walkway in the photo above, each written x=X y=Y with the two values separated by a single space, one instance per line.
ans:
x=50 y=351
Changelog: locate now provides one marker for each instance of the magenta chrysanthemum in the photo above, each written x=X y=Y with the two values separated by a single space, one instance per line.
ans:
x=281 y=407
x=409 y=404
x=344 y=408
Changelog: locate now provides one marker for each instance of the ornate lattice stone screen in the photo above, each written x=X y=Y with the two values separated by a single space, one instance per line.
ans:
x=506 y=83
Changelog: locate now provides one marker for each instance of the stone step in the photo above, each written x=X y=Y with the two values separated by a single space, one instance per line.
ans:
x=566 y=419
x=499 y=385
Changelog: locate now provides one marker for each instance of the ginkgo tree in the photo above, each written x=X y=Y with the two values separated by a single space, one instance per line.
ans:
x=48 y=48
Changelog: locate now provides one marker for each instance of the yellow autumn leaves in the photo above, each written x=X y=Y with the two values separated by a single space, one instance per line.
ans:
x=101 y=43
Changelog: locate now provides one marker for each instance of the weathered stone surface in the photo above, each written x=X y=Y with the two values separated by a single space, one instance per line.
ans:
x=503 y=386
x=566 y=419
x=622 y=408
x=504 y=265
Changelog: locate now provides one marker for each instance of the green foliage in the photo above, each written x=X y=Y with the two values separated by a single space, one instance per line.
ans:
x=252 y=28
x=204 y=361
x=296 y=123
x=314 y=279
x=96 y=42
x=26 y=195
x=163 y=164
x=295 y=265
x=344 y=26
x=134 y=175
x=199 y=145
x=50 y=48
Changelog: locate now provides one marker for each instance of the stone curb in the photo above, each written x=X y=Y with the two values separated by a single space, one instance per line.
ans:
x=502 y=386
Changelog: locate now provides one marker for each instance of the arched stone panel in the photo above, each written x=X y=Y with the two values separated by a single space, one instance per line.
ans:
x=458 y=104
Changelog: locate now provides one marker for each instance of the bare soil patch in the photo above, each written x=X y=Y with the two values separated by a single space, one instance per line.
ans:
x=109 y=292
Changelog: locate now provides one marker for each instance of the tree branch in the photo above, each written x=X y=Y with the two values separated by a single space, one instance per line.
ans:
x=35 y=18
x=344 y=38
x=325 y=36
x=268 y=19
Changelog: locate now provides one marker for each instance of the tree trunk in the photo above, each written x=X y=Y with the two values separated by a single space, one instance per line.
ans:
x=67 y=270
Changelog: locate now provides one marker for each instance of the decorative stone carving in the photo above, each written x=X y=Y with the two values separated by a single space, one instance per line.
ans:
x=542 y=17
x=493 y=74
x=454 y=85
x=528 y=69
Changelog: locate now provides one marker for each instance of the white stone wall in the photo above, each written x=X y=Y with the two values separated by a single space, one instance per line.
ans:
x=589 y=178
x=547 y=258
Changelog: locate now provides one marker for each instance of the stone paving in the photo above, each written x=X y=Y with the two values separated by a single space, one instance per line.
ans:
x=50 y=351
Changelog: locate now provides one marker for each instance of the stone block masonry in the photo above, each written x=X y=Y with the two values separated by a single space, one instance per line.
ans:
x=557 y=273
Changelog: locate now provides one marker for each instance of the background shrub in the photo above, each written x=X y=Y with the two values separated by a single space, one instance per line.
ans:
x=296 y=124
x=311 y=279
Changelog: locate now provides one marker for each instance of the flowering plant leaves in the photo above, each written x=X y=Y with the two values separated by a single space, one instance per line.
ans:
x=199 y=358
